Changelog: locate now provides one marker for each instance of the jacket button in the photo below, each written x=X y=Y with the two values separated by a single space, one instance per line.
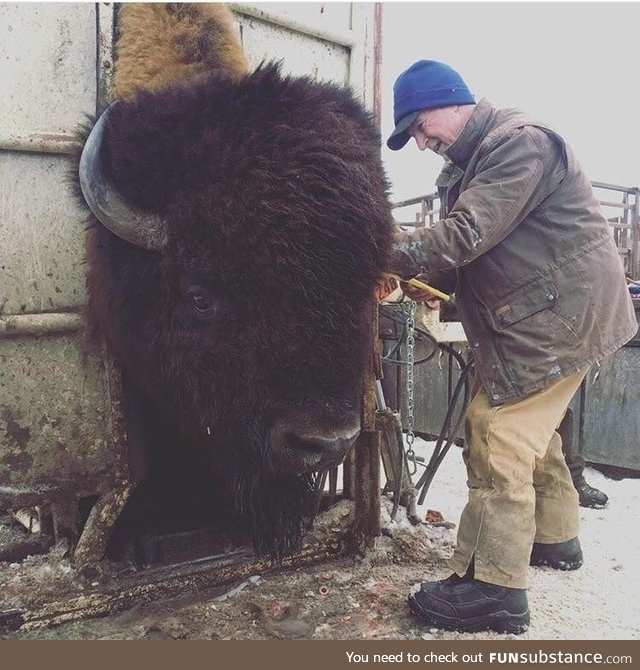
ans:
x=550 y=297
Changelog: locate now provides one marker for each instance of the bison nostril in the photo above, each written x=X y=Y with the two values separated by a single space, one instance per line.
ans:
x=311 y=446
x=292 y=453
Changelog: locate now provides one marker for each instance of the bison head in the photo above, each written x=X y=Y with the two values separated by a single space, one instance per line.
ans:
x=244 y=224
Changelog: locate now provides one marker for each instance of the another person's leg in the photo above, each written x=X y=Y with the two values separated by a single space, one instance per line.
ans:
x=587 y=495
x=556 y=541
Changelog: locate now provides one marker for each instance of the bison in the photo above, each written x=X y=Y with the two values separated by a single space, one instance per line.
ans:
x=240 y=221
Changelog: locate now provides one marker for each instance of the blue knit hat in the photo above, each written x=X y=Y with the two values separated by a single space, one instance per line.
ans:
x=427 y=84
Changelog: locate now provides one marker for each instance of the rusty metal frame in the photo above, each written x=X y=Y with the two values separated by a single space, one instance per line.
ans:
x=54 y=503
x=626 y=230
x=141 y=588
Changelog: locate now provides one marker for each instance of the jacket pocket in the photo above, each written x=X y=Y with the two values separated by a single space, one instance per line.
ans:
x=531 y=299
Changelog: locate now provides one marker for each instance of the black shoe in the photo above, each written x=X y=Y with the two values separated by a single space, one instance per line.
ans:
x=561 y=556
x=468 y=605
x=590 y=497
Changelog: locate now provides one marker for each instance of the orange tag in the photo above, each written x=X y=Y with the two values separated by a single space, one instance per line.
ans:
x=385 y=287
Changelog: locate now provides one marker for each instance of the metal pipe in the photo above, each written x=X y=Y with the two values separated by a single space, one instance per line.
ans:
x=616 y=187
x=39 y=324
x=635 y=190
x=414 y=201
x=41 y=143
x=360 y=79
x=380 y=401
x=620 y=205
x=377 y=63
x=635 y=237
x=105 y=26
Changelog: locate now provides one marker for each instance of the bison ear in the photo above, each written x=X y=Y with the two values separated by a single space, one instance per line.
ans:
x=132 y=224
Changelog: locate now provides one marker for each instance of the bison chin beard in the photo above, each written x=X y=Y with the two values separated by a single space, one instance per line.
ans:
x=280 y=510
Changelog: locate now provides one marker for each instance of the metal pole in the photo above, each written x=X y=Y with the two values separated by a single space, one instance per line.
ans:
x=377 y=63
x=635 y=237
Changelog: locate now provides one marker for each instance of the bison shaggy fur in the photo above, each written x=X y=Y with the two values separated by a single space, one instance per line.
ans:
x=253 y=324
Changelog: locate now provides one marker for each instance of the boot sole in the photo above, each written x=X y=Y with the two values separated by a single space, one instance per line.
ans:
x=503 y=622
x=557 y=565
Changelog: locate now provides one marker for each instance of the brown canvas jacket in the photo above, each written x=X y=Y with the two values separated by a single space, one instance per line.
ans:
x=540 y=285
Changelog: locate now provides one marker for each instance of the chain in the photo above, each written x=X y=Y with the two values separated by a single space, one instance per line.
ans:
x=410 y=345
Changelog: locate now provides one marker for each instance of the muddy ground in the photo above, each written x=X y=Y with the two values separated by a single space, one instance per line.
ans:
x=365 y=597
x=346 y=598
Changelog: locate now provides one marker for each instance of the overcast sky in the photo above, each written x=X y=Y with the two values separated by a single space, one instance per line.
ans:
x=575 y=66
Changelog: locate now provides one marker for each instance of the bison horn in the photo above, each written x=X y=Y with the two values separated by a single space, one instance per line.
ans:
x=128 y=222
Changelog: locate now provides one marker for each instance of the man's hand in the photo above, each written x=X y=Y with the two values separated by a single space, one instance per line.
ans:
x=401 y=262
x=421 y=294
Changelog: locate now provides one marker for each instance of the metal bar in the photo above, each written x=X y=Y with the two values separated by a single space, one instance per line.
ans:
x=105 y=26
x=367 y=458
x=348 y=476
x=344 y=38
x=377 y=63
x=635 y=237
x=414 y=201
x=616 y=187
x=119 y=436
x=596 y=184
x=357 y=61
x=97 y=530
x=413 y=224
x=619 y=205
x=41 y=143
x=39 y=324
x=367 y=491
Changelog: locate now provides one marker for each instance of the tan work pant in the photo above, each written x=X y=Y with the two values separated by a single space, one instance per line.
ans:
x=520 y=489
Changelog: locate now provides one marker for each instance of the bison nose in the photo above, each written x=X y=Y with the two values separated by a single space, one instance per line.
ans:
x=297 y=452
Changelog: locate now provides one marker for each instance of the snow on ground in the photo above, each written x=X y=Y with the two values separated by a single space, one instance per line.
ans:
x=601 y=600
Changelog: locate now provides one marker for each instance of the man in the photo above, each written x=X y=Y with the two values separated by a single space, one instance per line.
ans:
x=542 y=296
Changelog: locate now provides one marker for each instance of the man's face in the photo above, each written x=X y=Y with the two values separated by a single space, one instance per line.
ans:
x=437 y=129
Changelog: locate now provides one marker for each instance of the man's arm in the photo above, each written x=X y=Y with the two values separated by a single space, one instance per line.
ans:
x=507 y=186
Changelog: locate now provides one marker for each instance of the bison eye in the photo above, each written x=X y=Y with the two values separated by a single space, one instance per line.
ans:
x=202 y=304
x=199 y=299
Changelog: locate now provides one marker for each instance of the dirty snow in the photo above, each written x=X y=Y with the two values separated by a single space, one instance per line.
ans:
x=365 y=597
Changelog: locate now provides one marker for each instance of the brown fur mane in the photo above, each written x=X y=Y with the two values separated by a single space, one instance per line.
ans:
x=162 y=43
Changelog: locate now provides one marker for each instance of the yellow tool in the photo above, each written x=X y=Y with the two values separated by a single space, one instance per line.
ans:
x=425 y=287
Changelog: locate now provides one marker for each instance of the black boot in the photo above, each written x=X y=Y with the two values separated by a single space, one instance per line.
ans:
x=561 y=555
x=469 y=605
x=590 y=497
